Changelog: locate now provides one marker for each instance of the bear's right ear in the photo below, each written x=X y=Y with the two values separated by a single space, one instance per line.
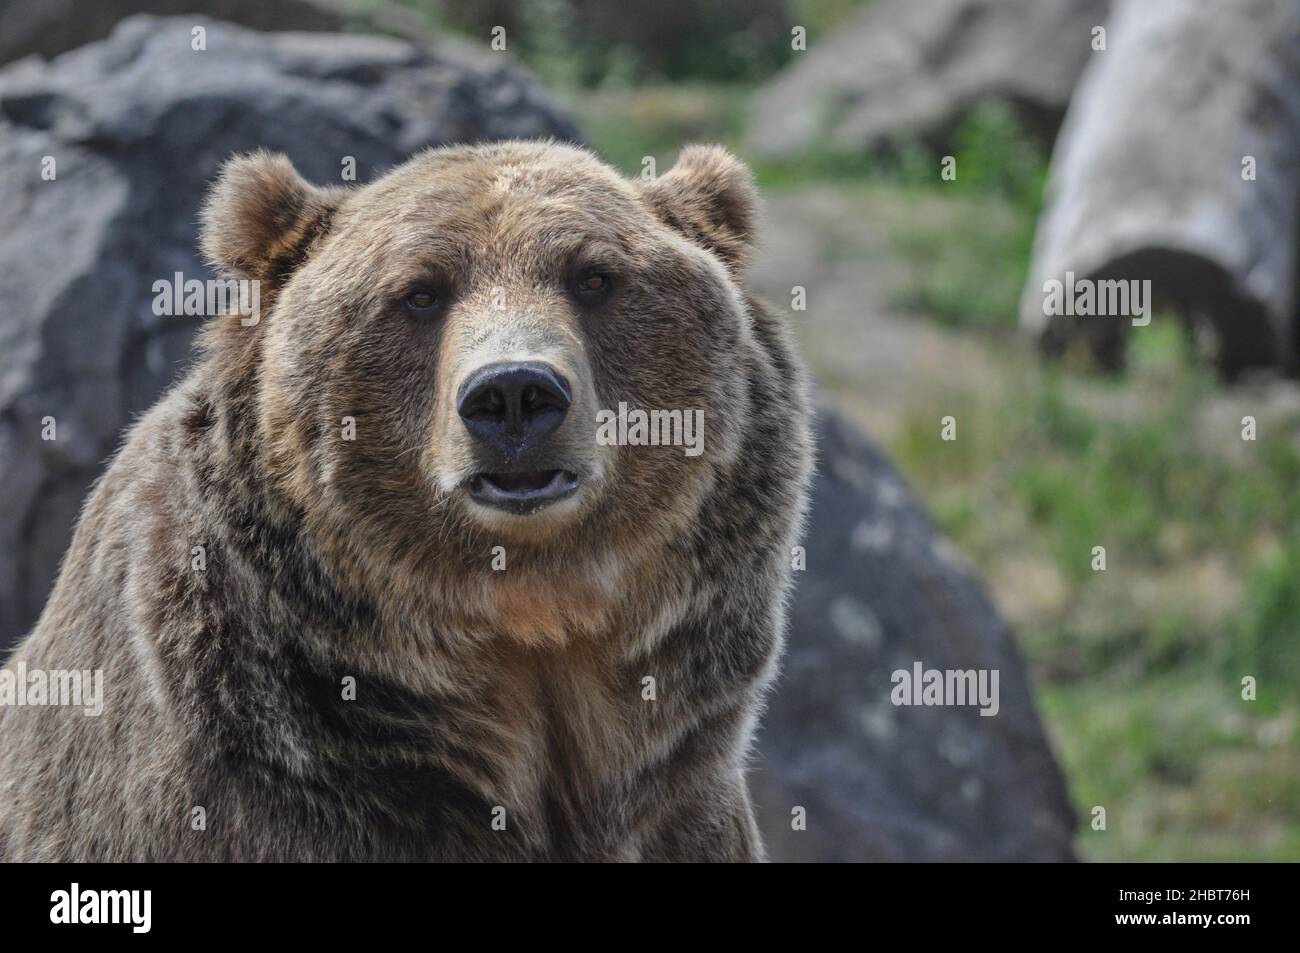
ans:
x=261 y=217
x=709 y=197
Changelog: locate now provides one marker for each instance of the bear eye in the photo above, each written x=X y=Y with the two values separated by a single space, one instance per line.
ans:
x=592 y=284
x=421 y=299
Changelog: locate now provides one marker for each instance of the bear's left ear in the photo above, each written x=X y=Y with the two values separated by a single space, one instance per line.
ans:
x=261 y=218
x=709 y=197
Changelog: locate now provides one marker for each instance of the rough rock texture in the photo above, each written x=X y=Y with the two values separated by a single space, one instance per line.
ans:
x=137 y=125
x=1147 y=178
x=911 y=69
x=49 y=27
x=883 y=590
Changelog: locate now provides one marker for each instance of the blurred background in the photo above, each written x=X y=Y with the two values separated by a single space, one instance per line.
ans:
x=921 y=304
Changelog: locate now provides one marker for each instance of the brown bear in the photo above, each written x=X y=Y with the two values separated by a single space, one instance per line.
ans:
x=376 y=581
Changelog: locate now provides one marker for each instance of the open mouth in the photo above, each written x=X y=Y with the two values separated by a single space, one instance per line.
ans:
x=523 y=492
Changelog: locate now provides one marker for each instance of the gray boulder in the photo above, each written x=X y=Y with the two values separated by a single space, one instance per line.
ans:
x=878 y=781
x=47 y=28
x=136 y=126
x=1148 y=181
x=904 y=70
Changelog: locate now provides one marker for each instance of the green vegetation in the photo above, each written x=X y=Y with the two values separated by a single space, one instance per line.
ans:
x=1183 y=770
x=625 y=126
x=973 y=267
x=1139 y=667
x=595 y=45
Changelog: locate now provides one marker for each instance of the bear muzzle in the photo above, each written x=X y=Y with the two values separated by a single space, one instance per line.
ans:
x=511 y=409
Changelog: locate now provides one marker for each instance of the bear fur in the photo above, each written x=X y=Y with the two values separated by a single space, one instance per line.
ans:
x=315 y=647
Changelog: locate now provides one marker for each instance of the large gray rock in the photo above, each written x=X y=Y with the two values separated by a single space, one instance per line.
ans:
x=904 y=70
x=137 y=125
x=882 y=591
x=47 y=28
x=1147 y=179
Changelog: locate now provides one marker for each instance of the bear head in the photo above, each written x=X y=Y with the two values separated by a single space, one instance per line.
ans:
x=439 y=350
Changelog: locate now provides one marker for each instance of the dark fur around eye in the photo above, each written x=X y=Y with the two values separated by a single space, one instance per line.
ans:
x=422 y=300
x=592 y=285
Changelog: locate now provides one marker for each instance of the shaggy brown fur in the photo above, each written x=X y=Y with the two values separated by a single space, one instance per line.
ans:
x=477 y=689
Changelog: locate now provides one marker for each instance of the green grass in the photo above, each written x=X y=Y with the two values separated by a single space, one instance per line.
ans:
x=625 y=126
x=1185 y=769
x=597 y=46
x=1140 y=666
x=970 y=269
x=1265 y=639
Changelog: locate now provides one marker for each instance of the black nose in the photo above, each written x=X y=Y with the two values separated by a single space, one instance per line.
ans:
x=512 y=406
